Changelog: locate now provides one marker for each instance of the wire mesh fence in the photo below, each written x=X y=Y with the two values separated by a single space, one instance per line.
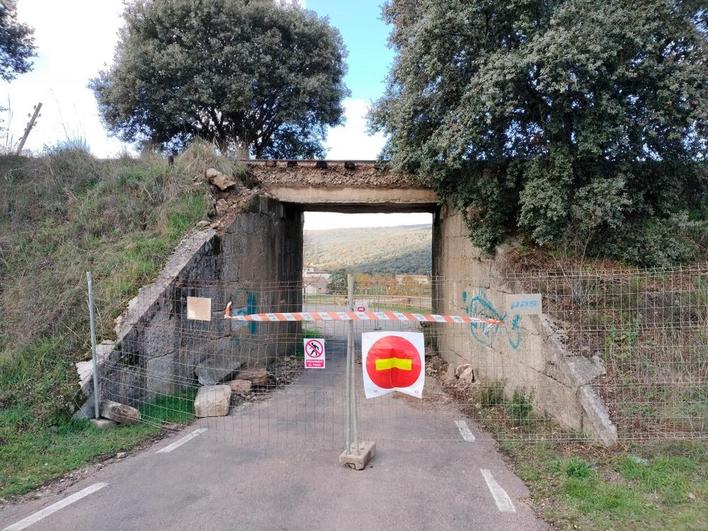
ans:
x=650 y=330
x=641 y=336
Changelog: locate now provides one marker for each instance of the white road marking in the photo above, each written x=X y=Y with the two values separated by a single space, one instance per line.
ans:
x=465 y=431
x=39 y=515
x=501 y=498
x=180 y=442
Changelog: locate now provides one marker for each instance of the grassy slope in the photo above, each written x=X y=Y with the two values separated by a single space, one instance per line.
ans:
x=60 y=216
x=574 y=485
x=648 y=486
x=405 y=249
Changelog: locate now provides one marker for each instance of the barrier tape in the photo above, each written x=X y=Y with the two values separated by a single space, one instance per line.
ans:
x=358 y=316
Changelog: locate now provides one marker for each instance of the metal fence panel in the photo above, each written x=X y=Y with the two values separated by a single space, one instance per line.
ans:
x=648 y=329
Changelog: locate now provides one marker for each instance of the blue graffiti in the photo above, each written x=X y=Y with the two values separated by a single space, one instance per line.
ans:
x=251 y=307
x=480 y=306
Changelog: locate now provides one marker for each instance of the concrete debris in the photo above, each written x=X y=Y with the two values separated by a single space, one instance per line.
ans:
x=213 y=371
x=222 y=207
x=221 y=181
x=597 y=415
x=585 y=370
x=286 y=369
x=86 y=411
x=121 y=455
x=467 y=376
x=85 y=368
x=120 y=413
x=257 y=376
x=462 y=368
x=240 y=387
x=212 y=401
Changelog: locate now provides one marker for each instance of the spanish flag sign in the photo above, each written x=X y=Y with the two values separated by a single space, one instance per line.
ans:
x=393 y=361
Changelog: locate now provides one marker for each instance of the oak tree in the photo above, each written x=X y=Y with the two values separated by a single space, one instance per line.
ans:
x=555 y=119
x=254 y=77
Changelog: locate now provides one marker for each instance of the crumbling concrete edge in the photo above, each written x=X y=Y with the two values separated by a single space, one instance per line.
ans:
x=581 y=372
x=576 y=371
x=149 y=296
x=139 y=310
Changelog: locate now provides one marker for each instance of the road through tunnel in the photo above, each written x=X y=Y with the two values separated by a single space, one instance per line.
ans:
x=251 y=258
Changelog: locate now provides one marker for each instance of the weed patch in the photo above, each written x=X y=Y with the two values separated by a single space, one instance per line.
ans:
x=31 y=455
x=649 y=486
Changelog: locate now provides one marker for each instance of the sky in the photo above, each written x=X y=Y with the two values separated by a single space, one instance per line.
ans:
x=76 y=39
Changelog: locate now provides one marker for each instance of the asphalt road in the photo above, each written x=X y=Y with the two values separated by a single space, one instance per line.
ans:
x=274 y=465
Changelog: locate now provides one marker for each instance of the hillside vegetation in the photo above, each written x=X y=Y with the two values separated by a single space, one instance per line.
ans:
x=61 y=215
x=577 y=125
x=404 y=249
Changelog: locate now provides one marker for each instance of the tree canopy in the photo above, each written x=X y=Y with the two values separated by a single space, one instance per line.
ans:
x=16 y=43
x=553 y=119
x=253 y=77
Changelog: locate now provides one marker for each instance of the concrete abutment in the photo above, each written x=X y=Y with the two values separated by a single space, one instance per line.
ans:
x=256 y=258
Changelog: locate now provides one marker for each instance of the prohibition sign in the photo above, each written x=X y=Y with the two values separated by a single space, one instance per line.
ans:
x=314 y=348
x=393 y=362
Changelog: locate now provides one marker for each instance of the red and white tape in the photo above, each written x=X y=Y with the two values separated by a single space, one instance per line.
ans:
x=358 y=316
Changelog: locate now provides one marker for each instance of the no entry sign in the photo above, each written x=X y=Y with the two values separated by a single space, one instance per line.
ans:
x=393 y=361
x=314 y=353
x=361 y=306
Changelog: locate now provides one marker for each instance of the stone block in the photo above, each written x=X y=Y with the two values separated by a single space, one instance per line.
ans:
x=257 y=376
x=220 y=180
x=240 y=387
x=462 y=368
x=216 y=369
x=212 y=401
x=120 y=413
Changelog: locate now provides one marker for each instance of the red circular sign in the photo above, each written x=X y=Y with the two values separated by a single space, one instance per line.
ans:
x=314 y=348
x=393 y=362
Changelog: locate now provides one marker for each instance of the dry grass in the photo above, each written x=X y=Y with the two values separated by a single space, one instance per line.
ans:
x=650 y=328
x=61 y=215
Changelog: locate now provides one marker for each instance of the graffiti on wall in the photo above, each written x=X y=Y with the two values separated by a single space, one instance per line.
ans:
x=480 y=306
x=245 y=303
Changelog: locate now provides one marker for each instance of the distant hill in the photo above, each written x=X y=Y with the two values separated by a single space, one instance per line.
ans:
x=403 y=249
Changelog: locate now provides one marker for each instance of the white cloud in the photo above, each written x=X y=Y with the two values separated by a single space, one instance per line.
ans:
x=351 y=140
x=75 y=39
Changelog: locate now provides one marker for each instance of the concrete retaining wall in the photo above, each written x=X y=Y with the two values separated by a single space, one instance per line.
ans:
x=251 y=263
x=525 y=352
x=256 y=262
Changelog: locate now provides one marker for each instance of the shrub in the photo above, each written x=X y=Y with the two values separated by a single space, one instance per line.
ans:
x=492 y=395
x=520 y=407
x=653 y=242
x=577 y=468
x=553 y=121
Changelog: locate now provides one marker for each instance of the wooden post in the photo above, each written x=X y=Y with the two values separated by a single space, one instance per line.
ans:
x=29 y=127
